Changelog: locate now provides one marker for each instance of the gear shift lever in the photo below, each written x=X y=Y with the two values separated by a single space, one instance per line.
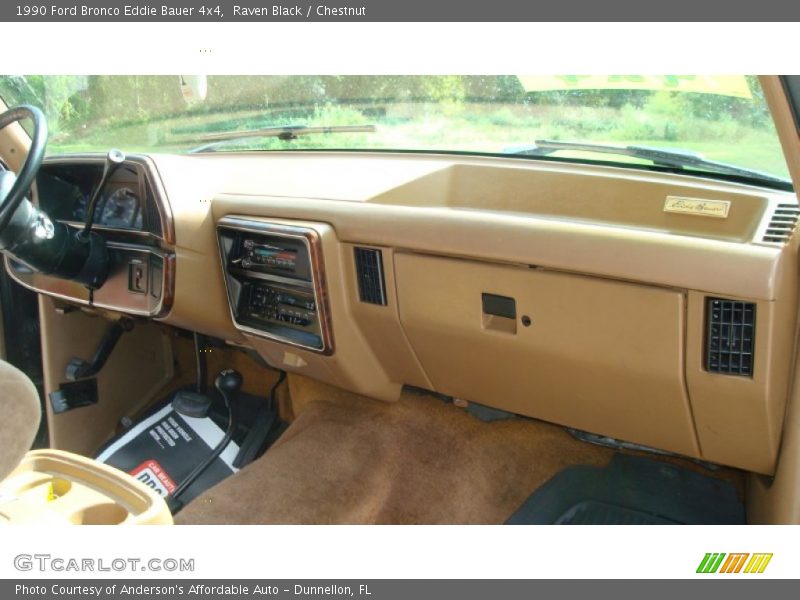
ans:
x=228 y=383
x=114 y=159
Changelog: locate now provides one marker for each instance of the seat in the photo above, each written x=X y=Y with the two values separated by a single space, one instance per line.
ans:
x=57 y=487
x=20 y=412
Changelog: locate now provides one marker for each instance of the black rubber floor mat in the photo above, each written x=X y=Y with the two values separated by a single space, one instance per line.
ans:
x=631 y=490
x=591 y=512
x=164 y=447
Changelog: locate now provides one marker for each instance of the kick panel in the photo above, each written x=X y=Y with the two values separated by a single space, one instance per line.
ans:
x=597 y=355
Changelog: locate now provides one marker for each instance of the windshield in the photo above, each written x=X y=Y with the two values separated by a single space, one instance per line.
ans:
x=724 y=119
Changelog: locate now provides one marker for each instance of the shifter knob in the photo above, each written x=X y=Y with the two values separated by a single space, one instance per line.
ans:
x=228 y=381
x=114 y=158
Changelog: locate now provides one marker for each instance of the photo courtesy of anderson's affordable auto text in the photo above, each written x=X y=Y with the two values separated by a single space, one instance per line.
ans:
x=371 y=300
x=189 y=589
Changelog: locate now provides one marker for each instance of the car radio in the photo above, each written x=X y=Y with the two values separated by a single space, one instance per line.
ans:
x=273 y=288
x=266 y=256
x=287 y=257
x=270 y=303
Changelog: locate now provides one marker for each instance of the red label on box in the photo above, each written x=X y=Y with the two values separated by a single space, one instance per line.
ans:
x=152 y=475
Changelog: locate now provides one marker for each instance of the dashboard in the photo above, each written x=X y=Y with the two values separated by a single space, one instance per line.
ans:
x=568 y=293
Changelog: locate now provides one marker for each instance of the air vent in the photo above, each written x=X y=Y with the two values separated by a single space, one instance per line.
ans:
x=730 y=336
x=782 y=224
x=369 y=270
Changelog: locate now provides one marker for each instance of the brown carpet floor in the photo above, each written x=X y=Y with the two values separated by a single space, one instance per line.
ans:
x=349 y=459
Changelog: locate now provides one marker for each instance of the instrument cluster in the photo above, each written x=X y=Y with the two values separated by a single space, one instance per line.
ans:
x=64 y=190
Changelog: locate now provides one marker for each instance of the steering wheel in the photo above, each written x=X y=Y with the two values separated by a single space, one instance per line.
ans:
x=14 y=188
x=28 y=235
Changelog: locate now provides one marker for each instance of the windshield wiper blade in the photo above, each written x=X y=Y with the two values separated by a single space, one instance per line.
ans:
x=282 y=132
x=665 y=157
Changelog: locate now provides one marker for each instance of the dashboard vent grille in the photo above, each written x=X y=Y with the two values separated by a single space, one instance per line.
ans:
x=369 y=270
x=783 y=223
x=730 y=336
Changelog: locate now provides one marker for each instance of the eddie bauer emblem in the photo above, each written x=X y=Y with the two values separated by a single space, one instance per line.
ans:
x=696 y=206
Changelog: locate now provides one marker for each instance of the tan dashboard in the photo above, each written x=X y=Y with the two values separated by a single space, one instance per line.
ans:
x=650 y=307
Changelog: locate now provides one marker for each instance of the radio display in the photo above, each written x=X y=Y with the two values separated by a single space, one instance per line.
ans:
x=268 y=256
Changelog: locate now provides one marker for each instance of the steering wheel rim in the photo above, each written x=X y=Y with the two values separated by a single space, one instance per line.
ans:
x=27 y=174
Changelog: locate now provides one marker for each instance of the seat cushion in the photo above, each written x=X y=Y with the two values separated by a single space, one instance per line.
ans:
x=19 y=416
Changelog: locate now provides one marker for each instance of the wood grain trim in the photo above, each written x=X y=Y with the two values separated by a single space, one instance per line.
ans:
x=167 y=286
